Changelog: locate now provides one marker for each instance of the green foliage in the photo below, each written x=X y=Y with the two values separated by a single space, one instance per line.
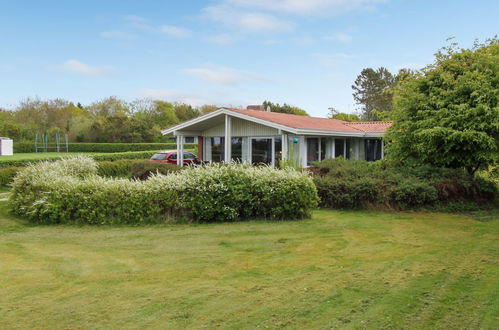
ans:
x=335 y=114
x=107 y=120
x=27 y=147
x=285 y=108
x=70 y=190
x=116 y=169
x=142 y=170
x=98 y=157
x=7 y=175
x=354 y=184
x=448 y=114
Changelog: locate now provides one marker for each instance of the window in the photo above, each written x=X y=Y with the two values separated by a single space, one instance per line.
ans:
x=277 y=151
x=217 y=149
x=261 y=151
x=372 y=149
x=190 y=156
x=339 y=148
x=173 y=156
x=189 y=139
x=312 y=150
x=158 y=157
x=237 y=148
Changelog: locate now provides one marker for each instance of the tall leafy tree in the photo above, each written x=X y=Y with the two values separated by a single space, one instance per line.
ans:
x=373 y=91
x=448 y=114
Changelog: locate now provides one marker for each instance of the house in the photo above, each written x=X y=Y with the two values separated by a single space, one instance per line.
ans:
x=256 y=136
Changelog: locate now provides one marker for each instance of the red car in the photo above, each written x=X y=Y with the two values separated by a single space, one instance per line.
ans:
x=170 y=157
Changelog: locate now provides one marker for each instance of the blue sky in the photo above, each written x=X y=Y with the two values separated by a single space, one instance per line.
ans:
x=226 y=52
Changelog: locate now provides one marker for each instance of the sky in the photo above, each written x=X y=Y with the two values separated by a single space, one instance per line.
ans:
x=306 y=53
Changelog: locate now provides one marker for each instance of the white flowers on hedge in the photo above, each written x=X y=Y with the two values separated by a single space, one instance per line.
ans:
x=70 y=191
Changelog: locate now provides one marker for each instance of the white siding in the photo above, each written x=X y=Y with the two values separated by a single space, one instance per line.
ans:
x=242 y=127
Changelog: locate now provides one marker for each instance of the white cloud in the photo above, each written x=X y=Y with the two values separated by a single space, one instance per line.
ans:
x=339 y=36
x=83 y=68
x=307 y=7
x=174 y=31
x=116 y=34
x=247 y=21
x=223 y=76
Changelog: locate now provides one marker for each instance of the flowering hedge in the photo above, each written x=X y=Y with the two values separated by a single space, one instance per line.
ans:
x=70 y=191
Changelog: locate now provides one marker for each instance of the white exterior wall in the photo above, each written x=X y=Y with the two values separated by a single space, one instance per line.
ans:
x=6 y=147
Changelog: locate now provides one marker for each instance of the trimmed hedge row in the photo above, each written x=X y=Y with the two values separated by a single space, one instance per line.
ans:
x=70 y=191
x=101 y=157
x=123 y=168
x=28 y=147
x=357 y=184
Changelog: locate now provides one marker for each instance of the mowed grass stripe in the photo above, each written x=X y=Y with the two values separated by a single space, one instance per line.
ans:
x=341 y=269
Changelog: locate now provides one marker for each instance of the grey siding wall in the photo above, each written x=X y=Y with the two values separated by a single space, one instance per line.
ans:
x=241 y=127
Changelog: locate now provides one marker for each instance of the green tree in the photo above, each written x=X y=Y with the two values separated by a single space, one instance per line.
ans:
x=207 y=108
x=373 y=92
x=185 y=112
x=285 y=108
x=448 y=114
x=335 y=114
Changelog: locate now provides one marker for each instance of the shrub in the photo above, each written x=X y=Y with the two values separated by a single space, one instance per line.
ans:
x=99 y=157
x=27 y=147
x=413 y=193
x=70 y=191
x=118 y=169
x=352 y=183
x=7 y=175
x=142 y=170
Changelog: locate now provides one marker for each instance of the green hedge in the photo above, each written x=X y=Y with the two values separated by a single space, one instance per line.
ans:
x=358 y=184
x=98 y=157
x=28 y=147
x=70 y=191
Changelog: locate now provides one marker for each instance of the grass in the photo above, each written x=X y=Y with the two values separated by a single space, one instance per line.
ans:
x=338 y=270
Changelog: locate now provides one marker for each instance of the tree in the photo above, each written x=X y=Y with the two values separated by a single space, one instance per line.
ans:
x=285 y=108
x=185 y=112
x=448 y=114
x=207 y=108
x=373 y=92
x=335 y=114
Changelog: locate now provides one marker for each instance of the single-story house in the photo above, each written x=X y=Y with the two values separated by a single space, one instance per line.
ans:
x=257 y=136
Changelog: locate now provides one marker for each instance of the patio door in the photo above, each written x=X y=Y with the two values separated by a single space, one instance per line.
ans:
x=262 y=151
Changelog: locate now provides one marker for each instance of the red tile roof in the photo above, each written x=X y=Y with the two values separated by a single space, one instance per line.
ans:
x=305 y=122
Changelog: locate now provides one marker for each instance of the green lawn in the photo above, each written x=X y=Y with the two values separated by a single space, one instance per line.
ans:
x=338 y=270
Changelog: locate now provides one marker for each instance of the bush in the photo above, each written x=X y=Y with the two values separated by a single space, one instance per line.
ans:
x=70 y=191
x=352 y=183
x=101 y=157
x=142 y=170
x=27 y=147
x=116 y=169
x=7 y=175
x=413 y=193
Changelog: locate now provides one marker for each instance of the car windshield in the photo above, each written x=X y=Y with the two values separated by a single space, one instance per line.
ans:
x=158 y=157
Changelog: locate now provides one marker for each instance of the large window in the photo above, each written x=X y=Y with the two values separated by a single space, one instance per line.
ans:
x=277 y=151
x=237 y=149
x=261 y=151
x=217 y=149
x=316 y=150
x=339 y=148
x=373 y=149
